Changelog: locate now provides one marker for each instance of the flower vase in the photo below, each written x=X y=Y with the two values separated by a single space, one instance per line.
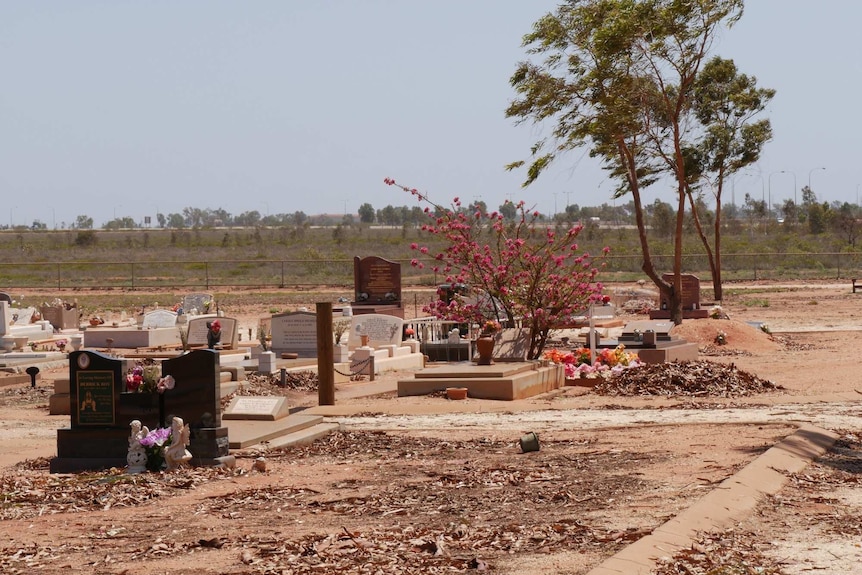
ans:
x=485 y=348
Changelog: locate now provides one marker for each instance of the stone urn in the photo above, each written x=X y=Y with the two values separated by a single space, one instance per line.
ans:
x=485 y=349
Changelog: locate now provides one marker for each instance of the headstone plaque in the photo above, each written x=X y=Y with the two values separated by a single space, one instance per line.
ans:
x=690 y=291
x=294 y=332
x=159 y=318
x=257 y=408
x=198 y=331
x=376 y=280
x=381 y=330
x=95 y=384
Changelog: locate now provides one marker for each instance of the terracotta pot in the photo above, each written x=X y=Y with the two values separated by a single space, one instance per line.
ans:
x=485 y=347
x=456 y=392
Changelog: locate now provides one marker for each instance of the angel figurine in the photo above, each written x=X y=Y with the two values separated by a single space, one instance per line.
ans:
x=136 y=458
x=176 y=454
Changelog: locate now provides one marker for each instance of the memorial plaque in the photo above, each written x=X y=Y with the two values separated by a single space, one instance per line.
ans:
x=294 y=332
x=257 y=408
x=376 y=280
x=159 y=318
x=95 y=384
x=381 y=330
x=95 y=398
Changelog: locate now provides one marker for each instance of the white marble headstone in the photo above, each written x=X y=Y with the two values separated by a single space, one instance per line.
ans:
x=381 y=330
x=23 y=316
x=159 y=318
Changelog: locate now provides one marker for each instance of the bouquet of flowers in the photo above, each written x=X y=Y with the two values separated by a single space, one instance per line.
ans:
x=578 y=364
x=490 y=327
x=146 y=379
x=154 y=443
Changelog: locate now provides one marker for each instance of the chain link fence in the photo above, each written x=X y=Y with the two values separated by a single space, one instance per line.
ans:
x=240 y=274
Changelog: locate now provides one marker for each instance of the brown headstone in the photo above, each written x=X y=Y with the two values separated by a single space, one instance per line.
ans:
x=690 y=291
x=376 y=280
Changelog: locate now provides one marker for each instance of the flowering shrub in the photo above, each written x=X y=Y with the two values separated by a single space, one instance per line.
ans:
x=577 y=363
x=519 y=268
x=145 y=379
x=154 y=443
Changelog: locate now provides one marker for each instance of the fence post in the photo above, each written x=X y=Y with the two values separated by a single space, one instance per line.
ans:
x=325 y=355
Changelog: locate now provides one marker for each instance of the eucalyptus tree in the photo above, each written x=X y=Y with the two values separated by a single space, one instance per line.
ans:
x=618 y=77
x=725 y=103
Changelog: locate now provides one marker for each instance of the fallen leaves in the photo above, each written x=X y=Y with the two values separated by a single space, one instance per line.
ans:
x=687 y=378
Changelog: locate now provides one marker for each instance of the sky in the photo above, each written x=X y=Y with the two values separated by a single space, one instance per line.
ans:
x=117 y=108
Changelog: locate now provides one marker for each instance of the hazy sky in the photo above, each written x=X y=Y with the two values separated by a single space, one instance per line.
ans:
x=117 y=108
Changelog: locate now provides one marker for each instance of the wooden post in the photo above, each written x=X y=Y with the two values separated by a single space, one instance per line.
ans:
x=325 y=365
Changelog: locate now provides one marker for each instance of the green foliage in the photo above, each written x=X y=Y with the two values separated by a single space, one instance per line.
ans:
x=85 y=238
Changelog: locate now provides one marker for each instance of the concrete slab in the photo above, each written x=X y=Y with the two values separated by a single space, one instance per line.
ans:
x=243 y=433
x=503 y=381
x=304 y=436
x=683 y=351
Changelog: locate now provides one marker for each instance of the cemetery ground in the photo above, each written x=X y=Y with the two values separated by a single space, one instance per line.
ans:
x=429 y=485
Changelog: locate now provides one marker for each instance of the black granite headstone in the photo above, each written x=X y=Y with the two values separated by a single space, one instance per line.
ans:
x=196 y=398
x=196 y=395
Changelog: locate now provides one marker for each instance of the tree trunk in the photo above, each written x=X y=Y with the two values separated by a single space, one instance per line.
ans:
x=631 y=176
x=714 y=270
x=675 y=302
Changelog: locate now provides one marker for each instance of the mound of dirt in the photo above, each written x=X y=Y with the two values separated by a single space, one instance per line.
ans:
x=738 y=336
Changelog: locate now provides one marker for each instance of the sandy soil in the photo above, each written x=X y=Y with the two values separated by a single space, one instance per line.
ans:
x=427 y=485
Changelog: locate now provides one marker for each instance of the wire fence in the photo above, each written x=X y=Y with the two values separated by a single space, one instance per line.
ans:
x=274 y=274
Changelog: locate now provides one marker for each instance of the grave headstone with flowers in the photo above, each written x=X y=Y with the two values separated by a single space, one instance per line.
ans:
x=108 y=394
